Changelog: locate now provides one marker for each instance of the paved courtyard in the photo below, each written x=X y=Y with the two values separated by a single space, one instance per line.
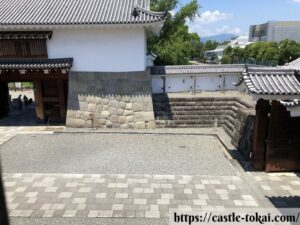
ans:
x=128 y=178
x=116 y=154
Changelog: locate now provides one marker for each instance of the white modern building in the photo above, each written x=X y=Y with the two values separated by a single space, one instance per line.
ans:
x=216 y=55
x=275 y=31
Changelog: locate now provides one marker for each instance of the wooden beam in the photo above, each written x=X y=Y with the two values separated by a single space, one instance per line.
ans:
x=260 y=134
x=15 y=76
x=38 y=95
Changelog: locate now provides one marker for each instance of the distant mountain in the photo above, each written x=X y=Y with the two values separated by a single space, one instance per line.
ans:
x=219 y=38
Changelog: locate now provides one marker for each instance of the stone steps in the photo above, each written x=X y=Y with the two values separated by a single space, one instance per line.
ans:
x=201 y=112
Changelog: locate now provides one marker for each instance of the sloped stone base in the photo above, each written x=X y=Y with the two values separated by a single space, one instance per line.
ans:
x=110 y=100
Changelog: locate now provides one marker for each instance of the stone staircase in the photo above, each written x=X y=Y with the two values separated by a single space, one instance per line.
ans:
x=202 y=112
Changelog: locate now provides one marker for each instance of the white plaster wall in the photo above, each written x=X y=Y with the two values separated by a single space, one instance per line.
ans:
x=157 y=84
x=103 y=50
x=211 y=82
x=179 y=84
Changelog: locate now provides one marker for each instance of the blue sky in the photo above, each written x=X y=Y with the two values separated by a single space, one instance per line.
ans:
x=235 y=16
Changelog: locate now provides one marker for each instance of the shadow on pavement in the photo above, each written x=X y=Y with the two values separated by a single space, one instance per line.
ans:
x=285 y=201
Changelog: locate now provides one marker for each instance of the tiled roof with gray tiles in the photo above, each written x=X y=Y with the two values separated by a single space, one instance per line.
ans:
x=76 y=12
x=272 y=81
x=196 y=69
x=295 y=65
x=291 y=104
x=24 y=64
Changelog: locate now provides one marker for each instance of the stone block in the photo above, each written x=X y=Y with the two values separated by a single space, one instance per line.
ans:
x=143 y=116
x=71 y=114
x=83 y=106
x=91 y=107
x=89 y=115
x=129 y=106
x=126 y=99
x=105 y=101
x=114 y=103
x=114 y=119
x=77 y=123
x=128 y=112
x=88 y=124
x=99 y=109
x=124 y=126
x=122 y=119
x=100 y=122
x=129 y=119
x=108 y=124
x=151 y=125
x=98 y=101
x=105 y=107
x=140 y=125
x=105 y=114
x=120 y=112
x=91 y=99
x=113 y=110
x=122 y=105
x=137 y=107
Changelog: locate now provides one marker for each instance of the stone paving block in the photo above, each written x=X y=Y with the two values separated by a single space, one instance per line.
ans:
x=79 y=200
x=121 y=195
x=140 y=198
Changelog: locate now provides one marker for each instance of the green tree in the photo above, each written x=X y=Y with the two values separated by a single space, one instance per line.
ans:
x=288 y=51
x=210 y=45
x=174 y=44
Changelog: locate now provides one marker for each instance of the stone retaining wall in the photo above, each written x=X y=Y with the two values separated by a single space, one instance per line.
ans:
x=110 y=100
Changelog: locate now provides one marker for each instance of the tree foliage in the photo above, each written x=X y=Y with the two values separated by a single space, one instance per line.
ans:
x=279 y=53
x=174 y=44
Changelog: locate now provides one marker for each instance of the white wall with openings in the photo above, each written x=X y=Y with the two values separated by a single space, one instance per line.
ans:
x=101 y=50
x=186 y=83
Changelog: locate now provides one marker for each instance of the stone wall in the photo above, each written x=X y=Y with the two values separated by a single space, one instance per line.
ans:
x=110 y=100
x=241 y=130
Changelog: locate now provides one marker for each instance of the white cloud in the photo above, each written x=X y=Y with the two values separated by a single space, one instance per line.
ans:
x=204 y=31
x=298 y=1
x=211 y=17
x=206 y=24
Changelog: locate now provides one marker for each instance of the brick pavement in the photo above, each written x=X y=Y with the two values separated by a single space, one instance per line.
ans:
x=145 y=196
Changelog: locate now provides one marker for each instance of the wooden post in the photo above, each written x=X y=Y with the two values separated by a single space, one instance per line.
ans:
x=62 y=99
x=38 y=95
x=260 y=134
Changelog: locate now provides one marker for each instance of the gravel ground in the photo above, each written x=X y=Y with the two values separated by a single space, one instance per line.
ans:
x=115 y=154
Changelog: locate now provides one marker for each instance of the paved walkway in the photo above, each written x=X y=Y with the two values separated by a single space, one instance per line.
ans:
x=150 y=196
x=56 y=195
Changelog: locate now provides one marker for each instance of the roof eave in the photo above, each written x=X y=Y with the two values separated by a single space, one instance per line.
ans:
x=274 y=97
x=152 y=26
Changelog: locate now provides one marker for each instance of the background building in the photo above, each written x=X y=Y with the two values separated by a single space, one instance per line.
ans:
x=275 y=31
x=216 y=55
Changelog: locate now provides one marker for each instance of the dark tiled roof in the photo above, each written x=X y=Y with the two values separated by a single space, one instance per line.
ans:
x=196 y=69
x=272 y=81
x=25 y=35
x=76 y=12
x=24 y=64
